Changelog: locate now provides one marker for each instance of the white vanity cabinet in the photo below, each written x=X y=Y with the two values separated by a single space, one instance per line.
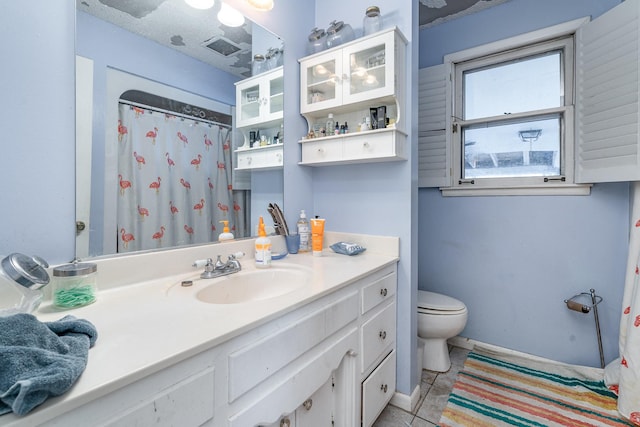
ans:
x=327 y=362
x=347 y=81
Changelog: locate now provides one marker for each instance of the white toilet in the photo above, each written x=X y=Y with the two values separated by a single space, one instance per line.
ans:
x=440 y=317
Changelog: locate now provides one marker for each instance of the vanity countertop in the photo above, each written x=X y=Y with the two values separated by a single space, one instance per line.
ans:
x=135 y=319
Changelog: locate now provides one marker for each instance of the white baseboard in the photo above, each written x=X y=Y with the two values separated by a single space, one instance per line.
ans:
x=404 y=402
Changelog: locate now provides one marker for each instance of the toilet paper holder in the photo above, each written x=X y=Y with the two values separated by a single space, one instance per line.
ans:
x=574 y=304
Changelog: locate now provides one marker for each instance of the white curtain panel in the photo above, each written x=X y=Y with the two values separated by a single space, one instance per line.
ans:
x=174 y=181
x=623 y=374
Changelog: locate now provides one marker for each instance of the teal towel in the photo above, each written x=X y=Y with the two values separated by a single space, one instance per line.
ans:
x=40 y=359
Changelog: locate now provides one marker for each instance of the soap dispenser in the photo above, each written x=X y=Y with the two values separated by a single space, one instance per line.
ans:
x=263 y=247
x=226 y=235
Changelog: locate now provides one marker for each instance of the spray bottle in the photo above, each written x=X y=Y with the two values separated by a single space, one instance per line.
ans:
x=226 y=235
x=263 y=247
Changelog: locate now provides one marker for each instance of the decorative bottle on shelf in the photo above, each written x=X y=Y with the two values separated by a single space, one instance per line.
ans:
x=304 y=231
x=336 y=130
x=330 y=125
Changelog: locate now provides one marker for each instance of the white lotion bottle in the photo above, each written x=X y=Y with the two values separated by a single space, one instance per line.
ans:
x=304 y=231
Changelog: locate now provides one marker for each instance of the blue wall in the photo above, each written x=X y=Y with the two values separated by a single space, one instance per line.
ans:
x=37 y=128
x=381 y=198
x=513 y=260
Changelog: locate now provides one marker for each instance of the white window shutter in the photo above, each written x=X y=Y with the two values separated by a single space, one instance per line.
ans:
x=607 y=97
x=433 y=154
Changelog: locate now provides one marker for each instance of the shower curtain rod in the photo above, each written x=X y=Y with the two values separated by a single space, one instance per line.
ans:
x=173 y=113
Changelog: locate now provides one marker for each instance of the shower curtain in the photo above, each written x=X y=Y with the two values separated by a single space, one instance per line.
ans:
x=174 y=177
x=623 y=374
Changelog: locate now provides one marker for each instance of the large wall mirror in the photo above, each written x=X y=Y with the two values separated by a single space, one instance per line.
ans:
x=155 y=135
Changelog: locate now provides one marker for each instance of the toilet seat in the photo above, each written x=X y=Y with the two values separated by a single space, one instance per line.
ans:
x=434 y=303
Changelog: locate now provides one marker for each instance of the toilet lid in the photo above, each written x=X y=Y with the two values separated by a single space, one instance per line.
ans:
x=433 y=301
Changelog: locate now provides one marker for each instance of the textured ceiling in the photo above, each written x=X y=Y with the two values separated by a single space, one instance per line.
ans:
x=434 y=12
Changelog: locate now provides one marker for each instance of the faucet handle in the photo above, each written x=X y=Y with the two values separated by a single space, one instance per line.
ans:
x=236 y=255
x=202 y=262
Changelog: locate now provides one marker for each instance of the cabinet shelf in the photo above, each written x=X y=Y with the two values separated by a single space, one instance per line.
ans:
x=378 y=145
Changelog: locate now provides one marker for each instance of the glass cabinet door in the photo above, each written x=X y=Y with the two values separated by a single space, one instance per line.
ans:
x=370 y=69
x=248 y=101
x=275 y=105
x=321 y=82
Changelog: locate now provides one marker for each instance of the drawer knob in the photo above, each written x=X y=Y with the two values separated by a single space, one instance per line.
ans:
x=285 y=422
x=320 y=150
x=383 y=292
x=383 y=387
x=365 y=144
x=383 y=334
x=307 y=404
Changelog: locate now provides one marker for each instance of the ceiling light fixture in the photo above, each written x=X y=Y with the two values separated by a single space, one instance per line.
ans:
x=200 y=4
x=230 y=16
x=261 y=4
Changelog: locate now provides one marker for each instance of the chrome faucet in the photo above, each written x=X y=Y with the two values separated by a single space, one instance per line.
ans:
x=219 y=268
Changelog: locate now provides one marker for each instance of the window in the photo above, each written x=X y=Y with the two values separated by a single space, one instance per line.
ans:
x=512 y=117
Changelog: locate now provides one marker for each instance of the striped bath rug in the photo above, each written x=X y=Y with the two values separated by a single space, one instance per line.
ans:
x=496 y=389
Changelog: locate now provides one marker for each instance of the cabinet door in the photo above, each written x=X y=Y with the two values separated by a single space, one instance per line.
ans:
x=260 y=99
x=321 y=82
x=273 y=90
x=248 y=101
x=317 y=410
x=369 y=69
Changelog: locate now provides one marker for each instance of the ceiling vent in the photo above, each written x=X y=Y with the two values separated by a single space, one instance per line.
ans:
x=222 y=46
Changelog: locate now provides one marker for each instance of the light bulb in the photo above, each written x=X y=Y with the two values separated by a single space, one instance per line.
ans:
x=200 y=4
x=261 y=4
x=230 y=16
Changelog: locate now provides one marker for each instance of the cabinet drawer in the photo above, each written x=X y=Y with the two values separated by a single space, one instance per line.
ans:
x=260 y=159
x=251 y=365
x=370 y=146
x=378 y=333
x=378 y=389
x=379 y=291
x=322 y=151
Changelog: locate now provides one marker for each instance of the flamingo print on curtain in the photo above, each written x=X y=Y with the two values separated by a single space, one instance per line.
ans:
x=174 y=181
x=623 y=374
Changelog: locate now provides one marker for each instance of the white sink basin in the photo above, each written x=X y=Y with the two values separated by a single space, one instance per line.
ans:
x=247 y=285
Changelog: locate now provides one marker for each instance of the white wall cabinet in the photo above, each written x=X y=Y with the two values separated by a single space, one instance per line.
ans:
x=347 y=81
x=330 y=362
x=260 y=108
x=260 y=99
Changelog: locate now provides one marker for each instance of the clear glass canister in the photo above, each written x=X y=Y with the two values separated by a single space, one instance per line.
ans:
x=21 y=280
x=372 y=22
x=258 y=65
x=316 y=41
x=75 y=284
x=339 y=33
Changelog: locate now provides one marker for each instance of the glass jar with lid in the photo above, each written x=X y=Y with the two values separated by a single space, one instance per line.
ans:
x=75 y=284
x=372 y=22
x=258 y=65
x=317 y=41
x=21 y=280
x=339 y=33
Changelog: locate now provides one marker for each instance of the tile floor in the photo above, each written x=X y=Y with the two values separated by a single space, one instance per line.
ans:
x=434 y=392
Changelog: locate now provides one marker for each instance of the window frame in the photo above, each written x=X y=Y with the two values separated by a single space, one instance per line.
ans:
x=550 y=39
